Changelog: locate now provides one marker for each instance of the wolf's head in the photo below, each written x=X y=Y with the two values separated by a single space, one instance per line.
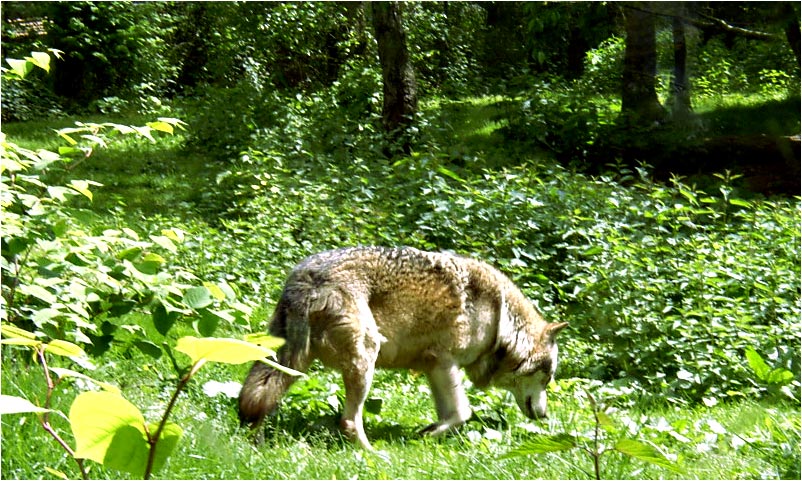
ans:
x=530 y=368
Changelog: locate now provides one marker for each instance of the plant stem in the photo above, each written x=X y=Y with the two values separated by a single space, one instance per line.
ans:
x=596 y=433
x=154 y=438
x=46 y=415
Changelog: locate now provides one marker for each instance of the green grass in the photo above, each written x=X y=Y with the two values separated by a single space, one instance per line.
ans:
x=138 y=178
x=743 y=439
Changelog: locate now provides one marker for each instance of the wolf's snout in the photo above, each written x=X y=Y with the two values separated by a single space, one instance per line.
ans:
x=536 y=411
x=534 y=407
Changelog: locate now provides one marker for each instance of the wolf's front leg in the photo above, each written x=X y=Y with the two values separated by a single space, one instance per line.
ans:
x=450 y=400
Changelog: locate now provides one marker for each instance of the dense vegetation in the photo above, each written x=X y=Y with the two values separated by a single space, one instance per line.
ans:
x=671 y=245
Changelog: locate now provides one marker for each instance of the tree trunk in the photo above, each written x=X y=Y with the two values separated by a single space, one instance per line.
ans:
x=680 y=90
x=639 y=97
x=791 y=27
x=400 y=91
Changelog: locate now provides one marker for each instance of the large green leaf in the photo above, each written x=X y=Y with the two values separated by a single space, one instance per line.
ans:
x=645 y=452
x=764 y=372
x=64 y=348
x=162 y=319
x=198 y=297
x=41 y=60
x=110 y=430
x=20 y=67
x=229 y=351
x=757 y=364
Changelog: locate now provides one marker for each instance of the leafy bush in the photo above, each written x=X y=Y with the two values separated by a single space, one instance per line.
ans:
x=562 y=119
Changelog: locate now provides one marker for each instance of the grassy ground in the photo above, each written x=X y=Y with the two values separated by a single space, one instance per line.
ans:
x=740 y=439
x=734 y=441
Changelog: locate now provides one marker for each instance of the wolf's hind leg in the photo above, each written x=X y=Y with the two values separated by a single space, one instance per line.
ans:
x=450 y=400
x=358 y=353
x=357 y=383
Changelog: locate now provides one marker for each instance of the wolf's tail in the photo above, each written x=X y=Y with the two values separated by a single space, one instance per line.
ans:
x=265 y=386
x=307 y=293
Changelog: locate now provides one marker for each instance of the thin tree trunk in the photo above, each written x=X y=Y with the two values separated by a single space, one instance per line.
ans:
x=792 y=28
x=400 y=91
x=680 y=89
x=639 y=97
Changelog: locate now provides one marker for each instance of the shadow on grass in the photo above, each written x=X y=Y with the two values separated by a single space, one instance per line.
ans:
x=774 y=118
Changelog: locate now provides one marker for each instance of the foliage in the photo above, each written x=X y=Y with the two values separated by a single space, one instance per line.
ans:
x=69 y=277
x=607 y=437
x=107 y=428
x=111 y=47
x=668 y=283
x=764 y=67
x=443 y=43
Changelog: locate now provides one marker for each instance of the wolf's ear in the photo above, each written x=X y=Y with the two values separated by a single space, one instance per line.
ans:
x=554 y=328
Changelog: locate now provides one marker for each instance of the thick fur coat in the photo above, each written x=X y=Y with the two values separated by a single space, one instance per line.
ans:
x=361 y=308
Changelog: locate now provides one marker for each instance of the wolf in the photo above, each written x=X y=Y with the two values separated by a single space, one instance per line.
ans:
x=361 y=308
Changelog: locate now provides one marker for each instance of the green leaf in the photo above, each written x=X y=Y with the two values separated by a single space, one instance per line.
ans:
x=780 y=376
x=164 y=242
x=56 y=473
x=593 y=251
x=450 y=173
x=606 y=422
x=198 y=297
x=542 y=443
x=645 y=452
x=82 y=187
x=110 y=430
x=149 y=348
x=757 y=364
x=38 y=292
x=173 y=121
x=265 y=340
x=13 y=332
x=161 y=126
x=215 y=291
x=229 y=351
x=20 y=67
x=740 y=202
x=64 y=348
x=18 y=405
x=41 y=60
x=162 y=319
x=168 y=439
x=207 y=323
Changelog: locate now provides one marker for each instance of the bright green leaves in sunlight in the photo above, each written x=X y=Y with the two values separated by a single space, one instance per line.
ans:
x=645 y=452
x=18 y=405
x=231 y=351
x=16 y=336
x=110 y=430
x=22 y=67
x=764 y=372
